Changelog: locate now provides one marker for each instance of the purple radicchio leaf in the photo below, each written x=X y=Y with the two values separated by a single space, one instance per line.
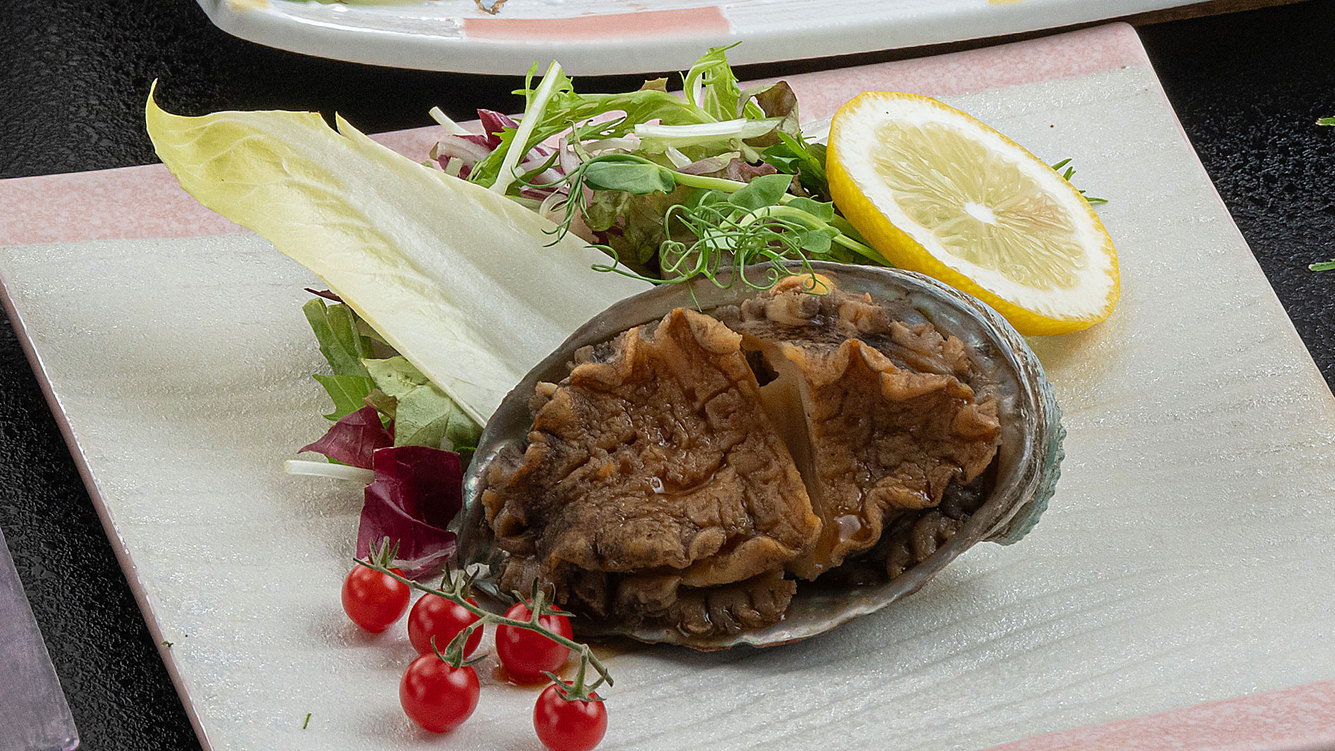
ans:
x=354 y=439
x=416 y=492
x=483 y=142
x=492 y=124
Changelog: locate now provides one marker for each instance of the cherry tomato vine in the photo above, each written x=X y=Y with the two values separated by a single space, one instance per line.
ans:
x=455 y=588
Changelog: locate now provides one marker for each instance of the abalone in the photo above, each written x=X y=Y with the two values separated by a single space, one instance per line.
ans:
x=716 y=466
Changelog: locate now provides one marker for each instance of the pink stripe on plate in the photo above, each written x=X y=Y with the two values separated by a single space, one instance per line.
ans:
x=142 y=202
x=128 y=203
x=1076 y=53
x=702 y=21
x=1291 y=719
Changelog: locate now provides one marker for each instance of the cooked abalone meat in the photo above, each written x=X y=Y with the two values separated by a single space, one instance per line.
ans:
x=881 y=415
x=651 y=468
x=687 y=473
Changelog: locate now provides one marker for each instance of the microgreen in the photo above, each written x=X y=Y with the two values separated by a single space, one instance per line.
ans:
x=766 y=190
x=348 y=393
x=724 y=135
x=341 y=340
x=423 y=414
x=1324 y=265
x=535 y=106
x=714 y=114
x=722 y=224
x=712 y=85
x=627 y=173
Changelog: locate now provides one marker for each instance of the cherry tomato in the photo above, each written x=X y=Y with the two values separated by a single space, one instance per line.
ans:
x=526 y=654
x=373 y=600
x=436 y=616
x=436 y=696
x=568 y=724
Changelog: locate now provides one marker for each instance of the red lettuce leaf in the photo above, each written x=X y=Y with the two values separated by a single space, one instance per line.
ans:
x=354 y=439
x=416 y=492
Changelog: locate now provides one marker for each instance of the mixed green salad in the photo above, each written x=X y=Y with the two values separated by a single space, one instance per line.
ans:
x=671 y=186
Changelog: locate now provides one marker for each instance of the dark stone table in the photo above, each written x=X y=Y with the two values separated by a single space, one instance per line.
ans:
x=73 y=73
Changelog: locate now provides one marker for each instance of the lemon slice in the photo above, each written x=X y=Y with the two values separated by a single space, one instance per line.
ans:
x=938 y=192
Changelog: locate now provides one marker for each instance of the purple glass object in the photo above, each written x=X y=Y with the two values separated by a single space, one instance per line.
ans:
x=33 y=712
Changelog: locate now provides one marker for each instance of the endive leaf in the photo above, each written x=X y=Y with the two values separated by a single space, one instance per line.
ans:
x=459 y=280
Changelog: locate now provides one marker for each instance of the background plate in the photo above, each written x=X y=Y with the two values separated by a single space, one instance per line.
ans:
x=596 y=37
x=1184 y=558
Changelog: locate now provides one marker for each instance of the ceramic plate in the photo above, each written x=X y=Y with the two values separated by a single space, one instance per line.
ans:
x=1185 y=558
x=596 y=37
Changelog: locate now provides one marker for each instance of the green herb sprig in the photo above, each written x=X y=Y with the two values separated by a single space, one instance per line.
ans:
x=1064 y=169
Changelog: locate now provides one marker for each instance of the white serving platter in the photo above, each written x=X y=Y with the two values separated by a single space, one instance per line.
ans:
x=1184 y=559
x=598 y=37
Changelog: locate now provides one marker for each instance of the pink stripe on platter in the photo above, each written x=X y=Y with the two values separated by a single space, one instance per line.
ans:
x=1075 y=53
x=127 y=203
x=702 y=21
x=1302 y=717
x=144 y=202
